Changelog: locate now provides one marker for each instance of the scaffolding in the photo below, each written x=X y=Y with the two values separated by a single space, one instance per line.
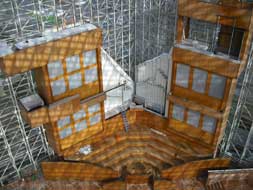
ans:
x=238 y=140
x=238 y=137
x=21 y=146
x=133 y=32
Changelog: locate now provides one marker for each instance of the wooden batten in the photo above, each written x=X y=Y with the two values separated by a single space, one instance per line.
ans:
x=196 y=133
x=45 y=91
x=208 y=12
x=137 y=179
x=205 y=100
x=114 y=148
x=247 y=41
x=116 y=185
x=143 y=118
x=196 y=107
x=36 y=117
x=94 y=99
x=65 y=144
x=76 y=138
x=165 y=185
x=205 y=62
x=180 y=27
x=53 y=138
x=43 y=85
x=111 y=126
x=76 y=171
x=64 y=107
x=147 y=119
x=193 y=169
x=235 y=3
x=38 y=56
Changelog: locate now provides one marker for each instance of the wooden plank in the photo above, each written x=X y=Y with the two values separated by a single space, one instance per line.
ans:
x=192 y=169
x=166 y=155
x=76 y=171
x=80 y=136
x=110 y=127
x=161 y=124
x=94 y=99
x=179 y=143
x=135 y=158
x=235 y=3
x=196 y=132
x=191 y=131
x=221 y=130
x=76 y=136
x=36 y=117
x=107 y=147
x=208 y=12
x=180 y=26
x=64 y=107
x=205 y=62
x=52 y=138
x=40 y=55
x=246 y=46
x=137 y=179
x=196 y=107
x=141 y=148
x=117 y=185
x=231 y=179
x=45 y=90
x=43 y=86
x=165 y=185
x=191 y=95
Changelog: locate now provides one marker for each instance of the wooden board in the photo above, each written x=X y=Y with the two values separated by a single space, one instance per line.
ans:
x=161 y=124
x=116 y=185
x=40 y=55
x=208 y=12
x=205 y=62
x=192 y=169
x=85 y=90
x=142 y=138
x=137 y=179
x=196 y=107
x=110 y=127
x=230 y=179
x=235 y=3
x=198 y=98
x=52 y=138
x=80 y=136
x=36 y=117
x=76 y=171
x=179 y=144
x=165 y=185
x=64 y=107
x=58 y=112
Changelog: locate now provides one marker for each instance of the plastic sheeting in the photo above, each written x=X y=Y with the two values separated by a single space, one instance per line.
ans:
x=113 y=76
x=152 y=80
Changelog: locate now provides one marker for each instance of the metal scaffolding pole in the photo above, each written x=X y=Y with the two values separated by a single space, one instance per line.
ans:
x=238 y=140
x=24 y=146
x=133 y=32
